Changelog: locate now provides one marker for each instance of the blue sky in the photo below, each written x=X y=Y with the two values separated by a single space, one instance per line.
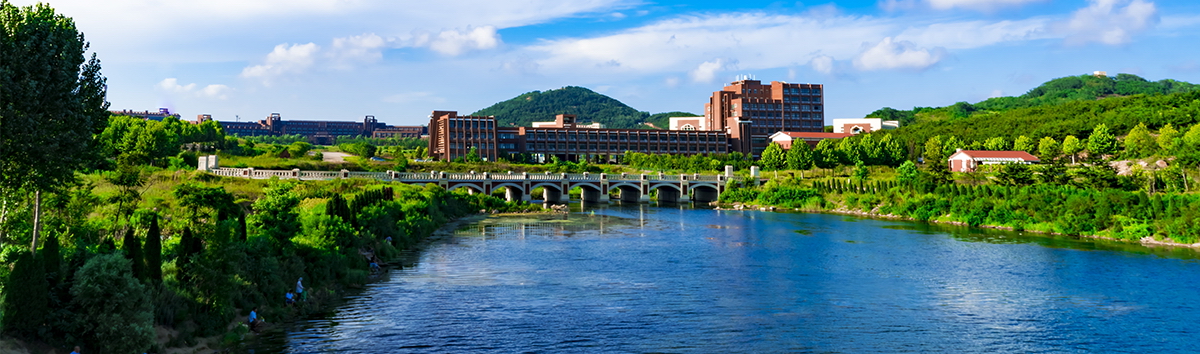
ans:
x=400 y=60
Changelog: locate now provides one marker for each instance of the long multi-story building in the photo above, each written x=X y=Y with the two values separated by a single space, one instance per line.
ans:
x=739 y=118
x=767 y=109
x=317 y=132
x=452 y=136
x=148 y=115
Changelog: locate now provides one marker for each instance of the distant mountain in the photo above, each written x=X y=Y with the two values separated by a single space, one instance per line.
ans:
x=589 y=106
x=1053 y=92
x=1060 y=107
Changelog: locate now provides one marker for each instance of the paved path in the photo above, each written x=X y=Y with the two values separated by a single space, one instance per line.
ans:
x=335 y=157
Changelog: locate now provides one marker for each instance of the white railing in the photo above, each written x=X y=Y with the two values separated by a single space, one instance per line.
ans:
x=430 y=176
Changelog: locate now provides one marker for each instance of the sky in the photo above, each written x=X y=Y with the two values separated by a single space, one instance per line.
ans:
x=401 y=60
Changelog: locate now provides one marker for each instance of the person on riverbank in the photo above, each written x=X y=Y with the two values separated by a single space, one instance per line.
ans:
x=76 y=350
x=289 y=298
x=300 y=290
x=252 y=321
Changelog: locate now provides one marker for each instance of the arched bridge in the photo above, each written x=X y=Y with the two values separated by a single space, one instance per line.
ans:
x=520 y=186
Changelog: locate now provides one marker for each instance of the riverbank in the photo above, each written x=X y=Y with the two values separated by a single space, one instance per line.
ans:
x=1145 y=241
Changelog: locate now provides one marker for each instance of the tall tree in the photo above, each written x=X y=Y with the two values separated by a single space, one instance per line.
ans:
x=1071 y=146
x=133 y=251
x=1101 y=143
x=1168 y=139
x=933 y=150
x=1023 y=143
x=1048 y=149
x=800 y=156
x=52 y=102
x=26 y=297
x=773 y=157
x=995 y=143
x=1139 y=143
x=153 y=251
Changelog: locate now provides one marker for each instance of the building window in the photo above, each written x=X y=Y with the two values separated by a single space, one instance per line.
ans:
x=687 y=127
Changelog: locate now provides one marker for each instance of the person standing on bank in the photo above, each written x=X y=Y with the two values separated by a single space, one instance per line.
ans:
x=300 y=290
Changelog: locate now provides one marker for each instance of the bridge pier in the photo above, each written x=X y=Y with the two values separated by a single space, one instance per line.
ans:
x=554 y=196
x=591 y=195
x=633 y=195
x=513 y=194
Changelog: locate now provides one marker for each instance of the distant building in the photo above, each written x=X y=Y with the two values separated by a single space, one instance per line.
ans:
x=317 y=132
x=785 y=139
x=750 y=112
x=863 y=125
x=452 y=136
x=147 y=115
x=688 y=123
x=969 y=160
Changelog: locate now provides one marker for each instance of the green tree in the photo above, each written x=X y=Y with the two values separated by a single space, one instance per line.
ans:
x=773 y=157
x=1168 y=139
x=995 y=144
x=907 y=173
x=52 y=102
x=275 y=213
x=1015 y=174
x=1139 y=143
x=133 y=252
x=1071 y=146
x=299 y=148
x=114 y=306
x=951 y=146
x=1048 y=149
x=799 y=157
x=26 y=297
x=153 y=251
x=826 y=154
x=933 y=150
x=861 y=172
x=1192 y=137
x=473 y=156
x=1023 y=143
x=1101 y=143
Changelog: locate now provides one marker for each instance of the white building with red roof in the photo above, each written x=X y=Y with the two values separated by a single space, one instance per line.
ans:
x=785 y=139
x=969 y=160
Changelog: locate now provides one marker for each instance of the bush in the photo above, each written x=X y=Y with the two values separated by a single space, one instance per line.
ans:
x=113 y=306
x=26 y=296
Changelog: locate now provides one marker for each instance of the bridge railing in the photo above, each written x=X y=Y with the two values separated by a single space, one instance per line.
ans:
x=430 y=176
x=319 y=174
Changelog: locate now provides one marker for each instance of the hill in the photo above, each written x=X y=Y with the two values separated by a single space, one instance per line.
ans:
x=1060 y=107
x=589 y=106
x=1054 y=92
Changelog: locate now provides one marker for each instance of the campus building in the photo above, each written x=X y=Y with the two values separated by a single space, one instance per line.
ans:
x=317 y=132
x=452 y=136
x=751 y=111
x=147 y=115
x=842 y=127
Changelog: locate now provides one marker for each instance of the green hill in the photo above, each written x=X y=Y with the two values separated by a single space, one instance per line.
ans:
x=589 y=106
x=1065 y=106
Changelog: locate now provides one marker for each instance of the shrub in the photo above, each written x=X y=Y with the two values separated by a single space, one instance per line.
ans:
x=113 y=306
x=26 y=296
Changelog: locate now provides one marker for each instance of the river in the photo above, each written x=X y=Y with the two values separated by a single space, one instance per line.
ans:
x=642 y=279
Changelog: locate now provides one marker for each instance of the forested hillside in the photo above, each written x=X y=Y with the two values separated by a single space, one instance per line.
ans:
x=1072 y=105
x=589 y=106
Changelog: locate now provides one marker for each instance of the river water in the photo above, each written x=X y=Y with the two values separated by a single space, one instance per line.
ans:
x=644 y=279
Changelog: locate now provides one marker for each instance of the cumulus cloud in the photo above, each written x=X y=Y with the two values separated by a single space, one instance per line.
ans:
x=1108 y=22
x=707 y=71
x=363 y=48
x=822 y=64
x=284 y=59
x=171 y=85
x=892 y=54
x=455 y=42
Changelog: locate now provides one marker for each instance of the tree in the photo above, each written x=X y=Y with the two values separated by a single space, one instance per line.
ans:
x=995 y=144
x=1101 y=143
x=114 y=305
x=52 y=102
x=275 y=212
x=860 y=172
x=773 y=157
x=26 y=297
x=907 y=173
x=473 y=156
x=1071 y=146
x=1168 y=139
x=133 y=252
x=1139 y=143
x=153 y=251
x=1048 y=149
x=933 y=150
x=826 y=154
x=1023 y=143
x=1015 y=174
x=800 y=156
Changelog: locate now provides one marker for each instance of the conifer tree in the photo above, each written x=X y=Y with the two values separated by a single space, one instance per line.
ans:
x=133 y=252
x=26 y=297
x=153 y=251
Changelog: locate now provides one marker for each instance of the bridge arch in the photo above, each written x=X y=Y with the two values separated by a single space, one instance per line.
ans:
x=630 y=193
x=496 y=187
x=472 y=188
x=669 y=193
x=705 y=193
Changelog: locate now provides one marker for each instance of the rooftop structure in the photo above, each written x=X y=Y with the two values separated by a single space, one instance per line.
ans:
x=969 y=160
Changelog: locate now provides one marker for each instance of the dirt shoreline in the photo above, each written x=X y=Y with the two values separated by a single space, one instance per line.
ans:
x=1145 y=241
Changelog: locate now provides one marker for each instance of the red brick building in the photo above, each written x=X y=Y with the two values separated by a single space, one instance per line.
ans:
x=317 y=131
x=751 y=111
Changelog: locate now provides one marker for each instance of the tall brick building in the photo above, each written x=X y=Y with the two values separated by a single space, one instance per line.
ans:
x=751 y=111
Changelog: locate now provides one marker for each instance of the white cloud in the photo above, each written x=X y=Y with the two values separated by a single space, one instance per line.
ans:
x=707 y=71
x=1107 y=22
x=283 y=60
x=365 y=48
x=986 y=5
x=892 y=54
x=171 y=85
x=996 y=93
x=671 y=81
x=822 y=64
x=455 y=42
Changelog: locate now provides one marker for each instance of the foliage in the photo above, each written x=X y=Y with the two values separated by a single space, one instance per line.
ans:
x=153 y=251
x=400 y=142
x=800 y=156
x=907 y=173
x=1048 y=149
x=1102 y=143
x=113 y=306
x=133 y=251
x=52 y=100
x=773 y=157
x=274 y=214
x=26 y=297
x=1023 y=143
x=1139 y=143
x=663 y=121
x=361 y=149
x=538 y=106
